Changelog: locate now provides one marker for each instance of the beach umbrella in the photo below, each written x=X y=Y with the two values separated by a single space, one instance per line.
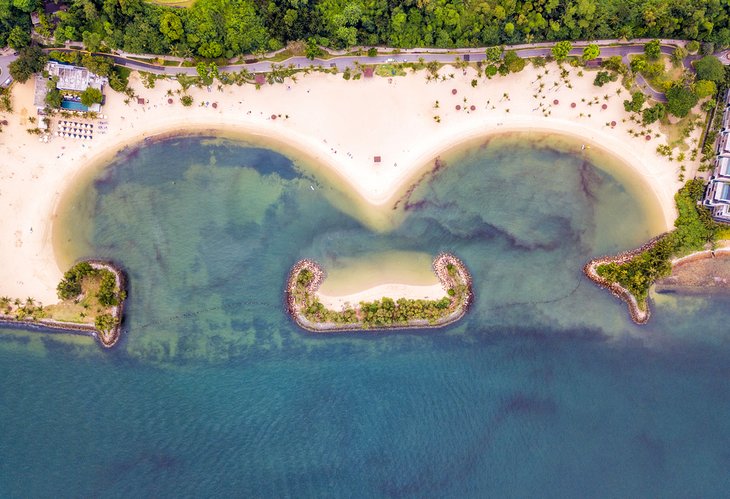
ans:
x=273 y=116
x=604 y=107
x=556 y=102
x=453 y=91
x=572 y=104
x=458 y=107
x=613 y=123
x=473 y=107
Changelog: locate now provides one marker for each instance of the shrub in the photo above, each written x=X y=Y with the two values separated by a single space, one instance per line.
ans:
x=70 y=286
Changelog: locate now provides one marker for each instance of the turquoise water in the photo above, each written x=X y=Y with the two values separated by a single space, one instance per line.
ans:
x=545 y=388
x=73 y=105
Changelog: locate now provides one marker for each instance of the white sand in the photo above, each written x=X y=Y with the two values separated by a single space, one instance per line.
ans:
x=340 y=124
x=390 y=290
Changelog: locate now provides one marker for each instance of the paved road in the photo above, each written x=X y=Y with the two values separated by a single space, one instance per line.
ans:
x=5 y=61
x=608 y=49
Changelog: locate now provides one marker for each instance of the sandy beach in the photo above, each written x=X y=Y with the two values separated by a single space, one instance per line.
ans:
x=341 y=125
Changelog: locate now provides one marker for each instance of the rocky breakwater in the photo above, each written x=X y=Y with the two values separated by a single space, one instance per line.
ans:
x=107 y=332
x=639 y=313
x=307 y=311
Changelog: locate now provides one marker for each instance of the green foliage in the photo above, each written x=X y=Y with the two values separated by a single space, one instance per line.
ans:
x=18 y=38
x=638 y=64
x=513 y=62
x=604 y=77
x=30 y=60
x=710 y=68
x=615 y=63
x=312 y=50
x=70 y=286
x=636 y=103
x=704 y=88
x=561 y=50
x=653 y=113
x=494 y=54
x=372 y=52
x=91 y=96
x=680 y=100
x=652 y=50
x=186 y=100
x=679 y=54
x=53 y=97
x=105 y=322
x=305 y=277
x=693 y=46
x=694 y=228
x=591 y=52
x=107 y=295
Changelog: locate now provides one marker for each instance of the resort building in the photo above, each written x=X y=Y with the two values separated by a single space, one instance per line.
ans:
x=71 y=82
x=723 y=145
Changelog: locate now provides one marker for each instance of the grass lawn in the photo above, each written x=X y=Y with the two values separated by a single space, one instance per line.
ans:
x=675 y=132
x=85 y=311
x=661 y=82
x=388 y=70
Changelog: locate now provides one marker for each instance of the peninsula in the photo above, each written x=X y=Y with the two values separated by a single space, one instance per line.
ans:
x=389 y=312
x=92 y=296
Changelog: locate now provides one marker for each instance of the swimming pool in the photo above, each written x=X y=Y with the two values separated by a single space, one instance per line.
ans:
x=73 y=105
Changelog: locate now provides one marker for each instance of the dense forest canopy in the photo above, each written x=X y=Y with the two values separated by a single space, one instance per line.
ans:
x=225 y=28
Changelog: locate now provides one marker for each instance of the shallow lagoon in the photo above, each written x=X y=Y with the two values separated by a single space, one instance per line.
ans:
x=546 y=388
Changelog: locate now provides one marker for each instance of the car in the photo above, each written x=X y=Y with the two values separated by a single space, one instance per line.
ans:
x=390 y=59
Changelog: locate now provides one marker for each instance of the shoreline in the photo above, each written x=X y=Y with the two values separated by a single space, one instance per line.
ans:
x=638 y=315
x=106 y=339
x=442 y=267
x=304 y=132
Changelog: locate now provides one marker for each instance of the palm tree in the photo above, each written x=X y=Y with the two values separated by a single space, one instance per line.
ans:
x=29 y=302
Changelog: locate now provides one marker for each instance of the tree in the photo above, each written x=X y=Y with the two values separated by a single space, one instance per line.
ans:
x=591 y=52
x=678 y=55
x=91 y=96
x=53 y=97
x=636 y=102
x=561 y=50
x=604 y=77
x=18 y=38
x=312 y=50
x=372 y=52
x=693 y=46
x=30 y=60
x=513 y=62
x=680 y=100
x=653 y=113
x=638 y=64
x=704 y=88
x=494 y=54
x=186 y=100
x=710 y=68
x=653 y=50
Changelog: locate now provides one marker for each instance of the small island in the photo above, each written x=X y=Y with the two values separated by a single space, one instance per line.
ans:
x=309 y=313
x=92 y=297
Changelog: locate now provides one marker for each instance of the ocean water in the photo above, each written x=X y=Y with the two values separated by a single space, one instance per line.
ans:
x=545 y=389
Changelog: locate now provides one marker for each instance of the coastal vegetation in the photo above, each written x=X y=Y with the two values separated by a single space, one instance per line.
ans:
x=92 y=298
x=215 y=29
x=387 y=312
x=694 y=231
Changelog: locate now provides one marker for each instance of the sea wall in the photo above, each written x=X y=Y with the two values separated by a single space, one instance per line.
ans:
x=440 y=267
x=107 y=339
x=590 y=269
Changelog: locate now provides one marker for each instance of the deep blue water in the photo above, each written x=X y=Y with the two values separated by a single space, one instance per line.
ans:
x=544 y=390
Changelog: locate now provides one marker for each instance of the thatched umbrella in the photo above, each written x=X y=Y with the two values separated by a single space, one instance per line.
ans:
x=648 y=137
x=458 y=107
x=453 y=91
x=215 y=105
x=604 y=107
x=169 y=101
x=572 y=104
x=613 y=124
x=273 y=116
x=473 y=107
